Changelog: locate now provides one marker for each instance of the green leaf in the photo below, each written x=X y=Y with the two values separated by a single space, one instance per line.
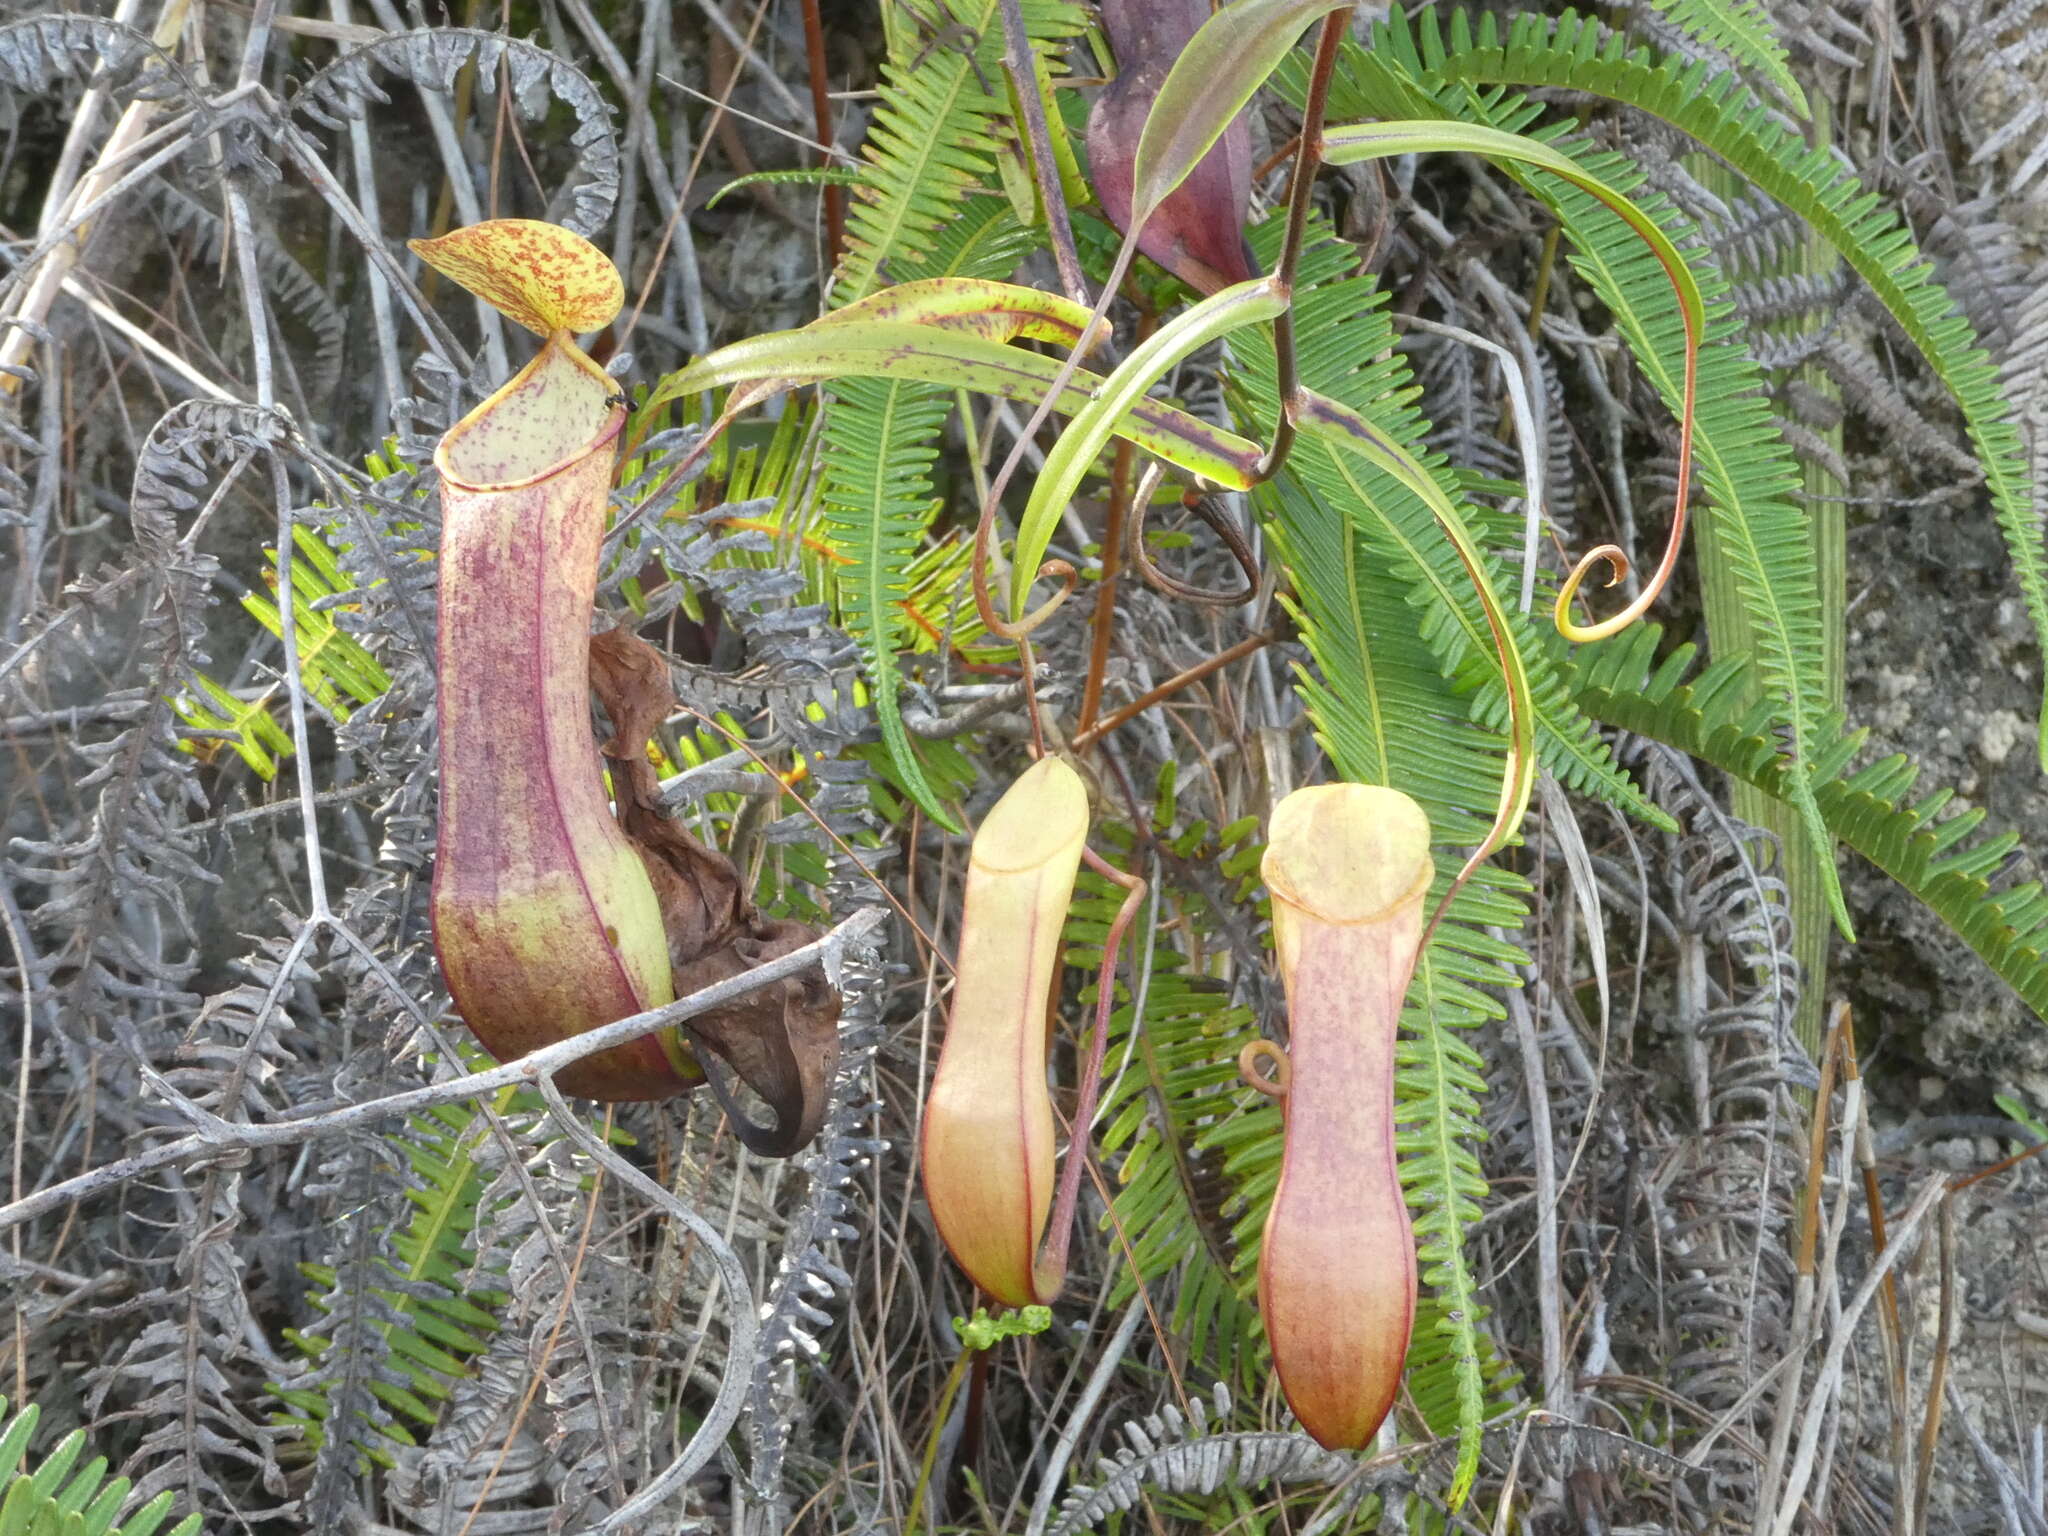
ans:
x=14 y=1443
x=1347 y=352
x=1744 y=31
x=899 y=350
x=1112 y=409
x=1377 y=141
x=1219 y=71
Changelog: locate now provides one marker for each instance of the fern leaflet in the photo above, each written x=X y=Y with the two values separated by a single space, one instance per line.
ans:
x=50 y=1498
x=1744 y=31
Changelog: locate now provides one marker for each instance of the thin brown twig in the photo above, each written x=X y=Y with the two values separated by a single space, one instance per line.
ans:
x=1937 y=1374
x=1169 y=688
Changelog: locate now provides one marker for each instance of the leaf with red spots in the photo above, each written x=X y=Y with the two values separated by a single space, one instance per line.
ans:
x=545 y=277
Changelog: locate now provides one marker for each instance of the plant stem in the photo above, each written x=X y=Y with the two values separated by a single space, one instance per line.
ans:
x=1102 y=626
x=821 y=112
x=1167 y=689
x=931 y=1444
x=1021 y=64
x=1049 y=1269
x=1308 y=156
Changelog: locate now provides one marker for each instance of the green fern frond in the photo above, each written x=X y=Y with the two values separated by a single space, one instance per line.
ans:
x=51 y=1499
x=1939 y=861
x=439 y=1325
x=338 y=674
x=1744 y=31
x=916 y=212
x=881 y=440
x=1718 y=111
x=931 y=143
x=245 y=725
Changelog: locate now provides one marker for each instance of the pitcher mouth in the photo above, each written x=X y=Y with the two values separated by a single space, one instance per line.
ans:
x=547 y=418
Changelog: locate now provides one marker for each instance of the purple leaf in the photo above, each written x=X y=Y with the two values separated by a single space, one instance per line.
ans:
x=1197 y=233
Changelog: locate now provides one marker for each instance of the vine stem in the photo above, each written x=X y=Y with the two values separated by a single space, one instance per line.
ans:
x=1049 y=1271
x=1308 y=156
x=931 y=1445
x=1102 y=625
x=1020 y=64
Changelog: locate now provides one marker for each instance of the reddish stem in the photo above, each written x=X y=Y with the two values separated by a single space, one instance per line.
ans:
x=1168 y=689
x=1102 y=627
x=1308 y=156
x=821 y=110
x=1050 y=1269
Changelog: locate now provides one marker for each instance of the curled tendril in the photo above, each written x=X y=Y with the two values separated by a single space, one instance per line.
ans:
x=984 y=604
x=1249 y=1059
x=1218 y=524
x=1612 y=556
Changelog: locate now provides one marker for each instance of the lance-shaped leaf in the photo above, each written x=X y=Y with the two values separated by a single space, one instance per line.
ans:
x=1348 y=866
x=988 y=1129
x=1215 y=75
x=1117 y=405
x=544 y=916
x=976 y=307
x=1372 y=141
x=889 y=349
x=1197 y=233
